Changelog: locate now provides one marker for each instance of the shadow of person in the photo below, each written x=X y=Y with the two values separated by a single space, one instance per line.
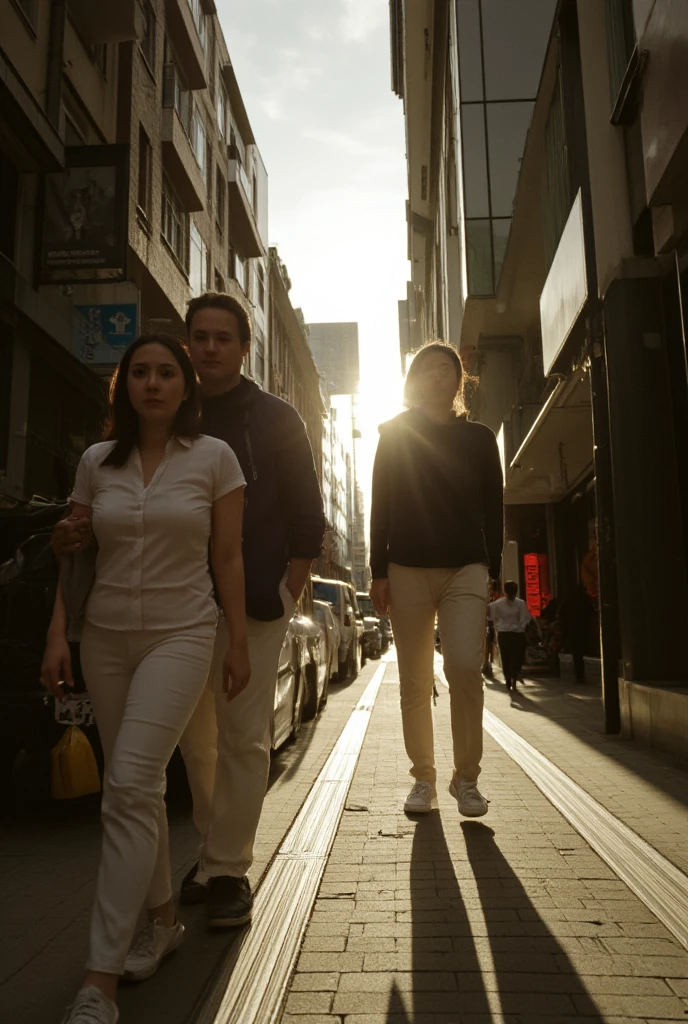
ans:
x=532 y=977
x=440 y=941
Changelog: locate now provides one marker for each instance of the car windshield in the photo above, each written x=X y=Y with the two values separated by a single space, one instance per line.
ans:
x=326 y=592
x=365 y=604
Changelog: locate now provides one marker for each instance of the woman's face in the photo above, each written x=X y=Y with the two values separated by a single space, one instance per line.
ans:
x=437 y=380
x=156 y=384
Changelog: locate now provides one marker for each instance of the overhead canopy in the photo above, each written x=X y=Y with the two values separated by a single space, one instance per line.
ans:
x=558 y=451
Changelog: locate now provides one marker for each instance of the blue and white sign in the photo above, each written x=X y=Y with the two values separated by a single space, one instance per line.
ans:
x=101 y=333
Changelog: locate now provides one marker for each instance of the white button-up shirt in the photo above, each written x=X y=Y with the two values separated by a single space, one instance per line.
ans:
x=152 y=567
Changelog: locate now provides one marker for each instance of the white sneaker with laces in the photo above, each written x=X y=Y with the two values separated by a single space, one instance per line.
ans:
x=152 y=943
x=421 y=799
x=91 y=1006
x=472 y=804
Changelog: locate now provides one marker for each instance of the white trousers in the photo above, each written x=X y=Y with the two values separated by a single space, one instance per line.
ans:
x=226 y=750
x=459 y=599
x=143 y=687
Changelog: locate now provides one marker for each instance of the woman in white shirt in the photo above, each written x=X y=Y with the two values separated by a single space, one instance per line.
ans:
x=158 y=493
x=510 y=616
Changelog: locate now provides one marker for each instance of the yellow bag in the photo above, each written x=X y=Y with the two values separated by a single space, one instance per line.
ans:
x=73 y=767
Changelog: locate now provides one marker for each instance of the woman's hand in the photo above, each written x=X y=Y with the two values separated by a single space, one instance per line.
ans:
x=379 y=595
x=57 y=666
x=236 y=671
x=72 y=534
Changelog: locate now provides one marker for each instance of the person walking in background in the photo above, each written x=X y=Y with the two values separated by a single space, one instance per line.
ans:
x=226 y=746
x=511 y=617
x=157 y=494
x=436 y=538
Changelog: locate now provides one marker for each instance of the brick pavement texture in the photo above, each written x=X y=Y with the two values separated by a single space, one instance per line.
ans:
x=511 y=919
x=48 y=864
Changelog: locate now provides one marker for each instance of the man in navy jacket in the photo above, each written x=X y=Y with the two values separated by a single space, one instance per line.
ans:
x=226 y=746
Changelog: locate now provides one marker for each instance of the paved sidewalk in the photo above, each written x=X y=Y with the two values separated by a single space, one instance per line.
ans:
x=48 y=861
x=644 y=788
x=512 y=918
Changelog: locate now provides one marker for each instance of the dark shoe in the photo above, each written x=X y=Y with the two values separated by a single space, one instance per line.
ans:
x=230 y=902
x=192 y=891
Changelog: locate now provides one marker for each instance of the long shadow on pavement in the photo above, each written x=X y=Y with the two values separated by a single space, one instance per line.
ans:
x=533 y=977
x=455 y=934
x=578 y=709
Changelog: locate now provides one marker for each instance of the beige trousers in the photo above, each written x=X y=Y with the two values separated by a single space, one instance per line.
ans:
x=143 y=687
x=226 y=750
x=459 y=598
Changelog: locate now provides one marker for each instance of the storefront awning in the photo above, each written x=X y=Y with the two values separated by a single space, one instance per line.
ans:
x=558 y=450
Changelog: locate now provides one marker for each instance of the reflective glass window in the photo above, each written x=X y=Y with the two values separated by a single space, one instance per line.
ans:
x=500 y=237
x=479 y=257
x=507 y=126
x=474 y=161
x=470 y=50
x=515 y=37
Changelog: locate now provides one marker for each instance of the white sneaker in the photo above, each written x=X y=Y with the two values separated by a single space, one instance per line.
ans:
x=472 y=804
x=152 y=943
x=421 y=799
x=91 y=1006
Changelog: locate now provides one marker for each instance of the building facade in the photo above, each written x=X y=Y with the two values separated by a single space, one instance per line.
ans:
x=293 y=374
x=335 y=350
x=579 y=340
x=133 y=183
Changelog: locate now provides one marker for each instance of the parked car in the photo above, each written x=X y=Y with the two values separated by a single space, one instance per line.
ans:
x=342 y=597
x=324 y=615
x=372 y=639
x=386 y=634
x=302 y=679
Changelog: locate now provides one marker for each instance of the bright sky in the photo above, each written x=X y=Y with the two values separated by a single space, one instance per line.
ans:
x=315 y=77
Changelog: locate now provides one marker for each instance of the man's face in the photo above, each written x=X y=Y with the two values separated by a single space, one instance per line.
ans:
x=216 y=350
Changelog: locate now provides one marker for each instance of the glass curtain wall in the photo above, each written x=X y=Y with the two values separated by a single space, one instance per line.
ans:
x=502 y=46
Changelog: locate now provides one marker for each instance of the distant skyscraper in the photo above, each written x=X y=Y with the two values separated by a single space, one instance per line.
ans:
x=335 y=350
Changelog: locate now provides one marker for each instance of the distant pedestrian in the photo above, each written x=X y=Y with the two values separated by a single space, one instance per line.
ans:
x=158 y=494
x=436 y=538
x=577 y=618
x=511 y=617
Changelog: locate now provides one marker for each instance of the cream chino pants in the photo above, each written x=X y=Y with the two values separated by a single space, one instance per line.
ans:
x=226 y=750
x=143 y=687
x=459 y=598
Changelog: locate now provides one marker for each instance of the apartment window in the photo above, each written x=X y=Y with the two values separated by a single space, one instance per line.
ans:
x=199 y=20
x=175 y=91
x=145 y=172
x=219 y=281
x=254 y=191
x=220 y=200
x=147 y=43
x=29 y=8
x=198 y=138
x=175 y=223
x=209 y=169
x=620 y=42
x=258 y=348
x=556 y=185
x=237 y=267
x=260 y=277
x=248 y=279
x=221 y=112
x=99 y=57
x=198 y=262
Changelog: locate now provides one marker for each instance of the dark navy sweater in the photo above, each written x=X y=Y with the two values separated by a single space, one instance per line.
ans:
x=437 y=495
x=283 y=516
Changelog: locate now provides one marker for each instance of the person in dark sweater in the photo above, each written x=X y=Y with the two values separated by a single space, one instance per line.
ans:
x=436 y=537
x=226 y=746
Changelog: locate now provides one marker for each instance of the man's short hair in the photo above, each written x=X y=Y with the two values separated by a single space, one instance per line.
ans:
x=219 y=300
x=511 y=589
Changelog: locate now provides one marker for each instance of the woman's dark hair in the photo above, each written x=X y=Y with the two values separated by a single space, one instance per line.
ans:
x=123 y=423
x=411 y=387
